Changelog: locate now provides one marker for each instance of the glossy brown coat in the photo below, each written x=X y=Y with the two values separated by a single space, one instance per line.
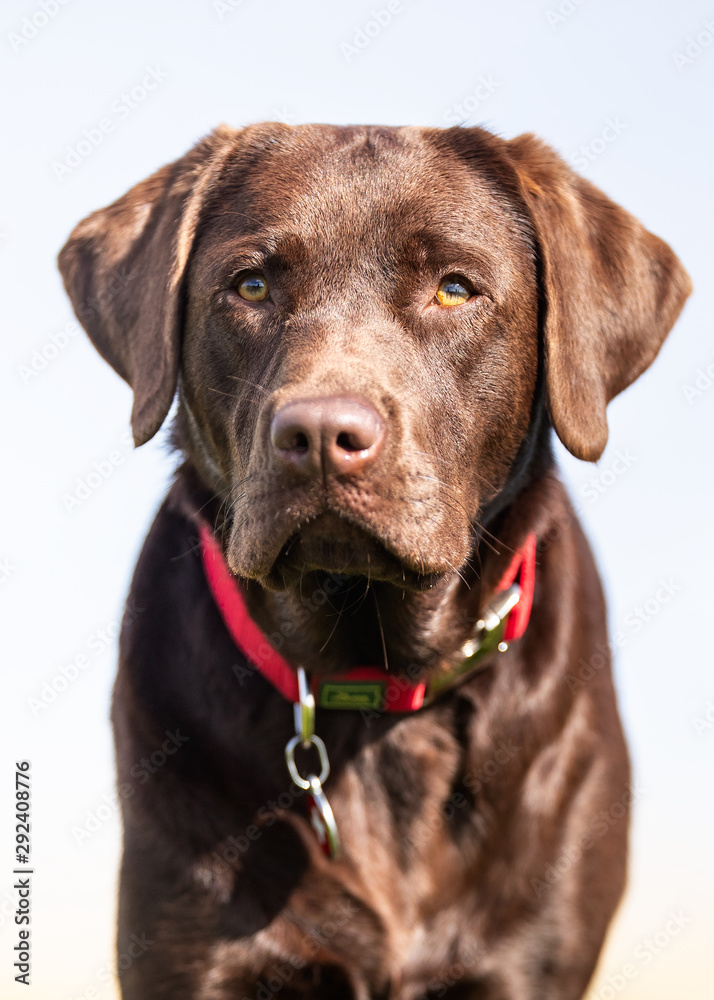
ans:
x=484 y=837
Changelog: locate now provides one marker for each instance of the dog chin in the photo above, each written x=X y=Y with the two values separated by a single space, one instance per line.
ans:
x=331 y=544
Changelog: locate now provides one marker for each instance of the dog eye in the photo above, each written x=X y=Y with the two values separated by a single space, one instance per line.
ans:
x=253 y=288
x=452 y=292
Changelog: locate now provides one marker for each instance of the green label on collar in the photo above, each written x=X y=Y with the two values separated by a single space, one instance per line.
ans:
x=351 y=694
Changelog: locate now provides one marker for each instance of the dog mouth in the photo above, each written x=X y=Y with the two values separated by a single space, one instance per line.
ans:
x=333 y=544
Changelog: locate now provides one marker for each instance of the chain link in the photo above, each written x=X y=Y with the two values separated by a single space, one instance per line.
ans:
x=316 y=742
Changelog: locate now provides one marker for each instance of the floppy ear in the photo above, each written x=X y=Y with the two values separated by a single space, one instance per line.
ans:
x=613 y=292
x=123 y=269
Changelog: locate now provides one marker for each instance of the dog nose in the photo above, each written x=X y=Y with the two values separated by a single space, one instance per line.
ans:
x=326 y=435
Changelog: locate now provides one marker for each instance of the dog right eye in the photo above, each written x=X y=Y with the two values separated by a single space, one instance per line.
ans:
x=453 y=291
x=253 y=287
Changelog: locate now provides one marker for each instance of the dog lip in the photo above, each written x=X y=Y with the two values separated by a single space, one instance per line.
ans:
x=328 y=535
x=316 y=546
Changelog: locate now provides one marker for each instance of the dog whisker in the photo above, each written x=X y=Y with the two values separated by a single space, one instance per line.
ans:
x=220 y=392
x=255 y=385
x=381 y=629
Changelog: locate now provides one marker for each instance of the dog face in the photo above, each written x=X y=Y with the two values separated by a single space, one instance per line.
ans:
x=361 y=422
x=358 y=319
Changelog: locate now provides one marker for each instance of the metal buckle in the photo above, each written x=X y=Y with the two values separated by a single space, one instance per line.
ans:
x=493 y=616
x=488 y=638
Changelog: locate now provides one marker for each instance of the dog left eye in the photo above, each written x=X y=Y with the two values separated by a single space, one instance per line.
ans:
x=253 y=288
x=452 y=292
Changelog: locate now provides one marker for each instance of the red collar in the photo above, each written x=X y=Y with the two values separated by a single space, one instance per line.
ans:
x=362 y=687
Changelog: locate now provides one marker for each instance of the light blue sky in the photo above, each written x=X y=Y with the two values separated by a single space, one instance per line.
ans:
x=515 y=66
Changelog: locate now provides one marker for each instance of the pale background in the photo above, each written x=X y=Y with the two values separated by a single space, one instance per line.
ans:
x=65 y=573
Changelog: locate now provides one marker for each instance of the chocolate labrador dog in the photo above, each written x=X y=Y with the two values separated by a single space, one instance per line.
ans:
x=371 y=332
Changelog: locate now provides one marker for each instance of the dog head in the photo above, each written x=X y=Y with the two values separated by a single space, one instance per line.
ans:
x=359 y=320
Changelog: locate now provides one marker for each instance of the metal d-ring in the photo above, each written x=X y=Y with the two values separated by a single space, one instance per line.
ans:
x=314 y=741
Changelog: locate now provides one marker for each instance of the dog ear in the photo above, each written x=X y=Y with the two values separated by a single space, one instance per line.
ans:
x=123 y=269
x=612 y=293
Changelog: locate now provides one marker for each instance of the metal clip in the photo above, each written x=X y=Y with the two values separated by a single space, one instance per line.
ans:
x=493 y=616
x=322 y=819
x=474 y=650
x=304 y=710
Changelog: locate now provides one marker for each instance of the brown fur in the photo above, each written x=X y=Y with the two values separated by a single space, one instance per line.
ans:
x=452 y=817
